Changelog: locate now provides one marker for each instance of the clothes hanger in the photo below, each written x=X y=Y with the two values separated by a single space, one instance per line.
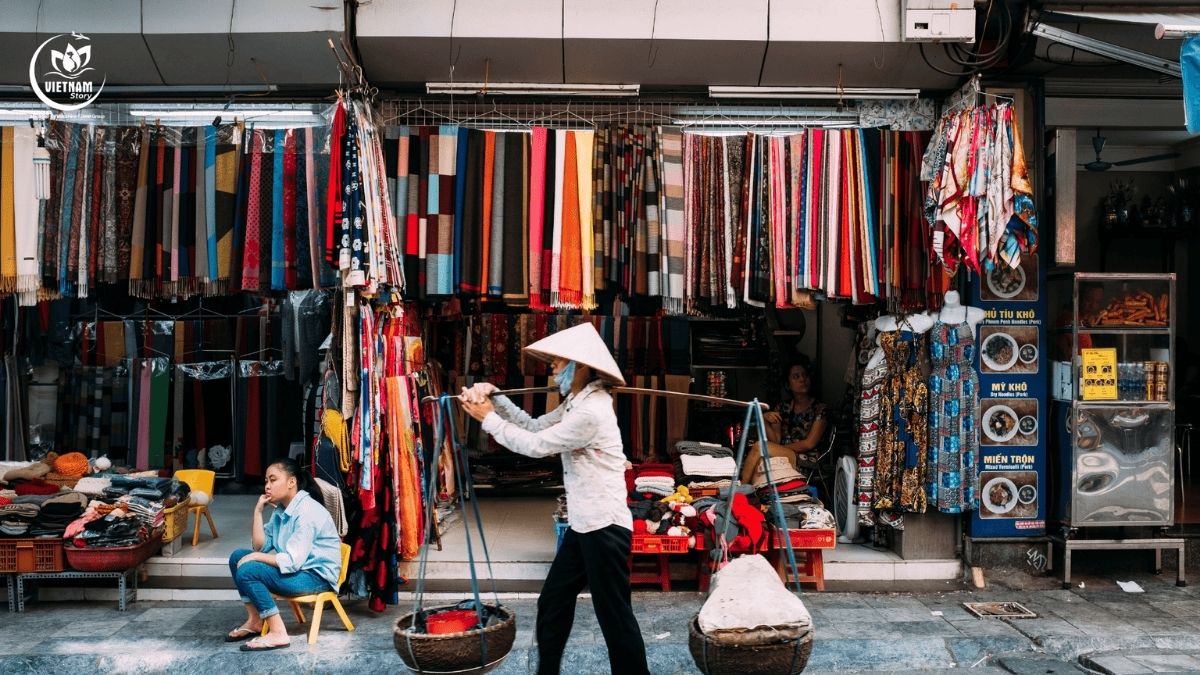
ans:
x=422 y=108
x=566 y=112
x=496 y=112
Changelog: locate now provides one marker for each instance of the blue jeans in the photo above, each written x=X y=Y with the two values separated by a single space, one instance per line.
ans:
x=256 y=581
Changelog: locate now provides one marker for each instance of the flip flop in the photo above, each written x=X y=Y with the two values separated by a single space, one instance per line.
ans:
x=241 y=633
x=249 y=646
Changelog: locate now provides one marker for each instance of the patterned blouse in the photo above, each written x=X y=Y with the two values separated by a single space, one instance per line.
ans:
x=796 y=426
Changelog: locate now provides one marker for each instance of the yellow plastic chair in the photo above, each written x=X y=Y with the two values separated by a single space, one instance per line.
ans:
x=200 y=480
x=318 y=600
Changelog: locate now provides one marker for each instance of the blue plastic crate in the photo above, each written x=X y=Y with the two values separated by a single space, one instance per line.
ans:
x=560 y=529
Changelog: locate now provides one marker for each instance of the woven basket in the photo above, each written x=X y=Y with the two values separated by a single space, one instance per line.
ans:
x=786 y=657
x=455 y=652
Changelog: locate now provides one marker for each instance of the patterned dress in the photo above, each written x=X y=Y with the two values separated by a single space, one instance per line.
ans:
x=797 y=425
x=953 y=415
x=904 y=427
x=868 y=439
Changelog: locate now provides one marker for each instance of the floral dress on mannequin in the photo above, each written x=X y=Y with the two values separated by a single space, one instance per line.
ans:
x=903 y=459
x=953 y=419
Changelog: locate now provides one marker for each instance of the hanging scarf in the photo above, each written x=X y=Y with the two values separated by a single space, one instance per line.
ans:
x=495 y=247
x=583 y=166
x=25 y=212
x=252 y=247
x=671 y=210
x=570 y=287
x=537 y=215
x=471 y=214
x=515 y=281
x=8 y=234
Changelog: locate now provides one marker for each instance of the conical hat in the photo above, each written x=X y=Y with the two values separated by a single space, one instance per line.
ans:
x=581 y=344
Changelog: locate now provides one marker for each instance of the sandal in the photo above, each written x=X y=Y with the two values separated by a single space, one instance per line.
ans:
x=257 y=645
x=240 y=633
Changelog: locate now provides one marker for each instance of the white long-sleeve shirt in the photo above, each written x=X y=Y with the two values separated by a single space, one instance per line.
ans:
x=583 y=431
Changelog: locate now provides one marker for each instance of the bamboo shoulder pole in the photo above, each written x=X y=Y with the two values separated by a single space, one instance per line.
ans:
x=635 y=391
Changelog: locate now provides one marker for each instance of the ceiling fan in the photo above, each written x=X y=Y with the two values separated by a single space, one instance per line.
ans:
x=1101 y=165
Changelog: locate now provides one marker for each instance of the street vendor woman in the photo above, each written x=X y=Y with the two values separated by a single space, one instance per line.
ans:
x=595 y=550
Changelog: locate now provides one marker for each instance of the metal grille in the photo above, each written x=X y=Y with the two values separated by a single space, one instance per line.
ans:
x=999 y=610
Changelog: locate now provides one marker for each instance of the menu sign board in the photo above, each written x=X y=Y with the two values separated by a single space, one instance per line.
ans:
x=1098 y=374
x=1012 y=401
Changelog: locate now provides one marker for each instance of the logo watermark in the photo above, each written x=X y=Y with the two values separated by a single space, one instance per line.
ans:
x=61 y=73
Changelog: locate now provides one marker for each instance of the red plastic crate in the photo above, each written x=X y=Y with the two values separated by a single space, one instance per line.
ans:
x=31 y=555
x=806 y=539
x=659 y=543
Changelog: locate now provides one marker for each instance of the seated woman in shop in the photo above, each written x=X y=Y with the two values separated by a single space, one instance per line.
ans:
x=298 y=552
x=797 y=427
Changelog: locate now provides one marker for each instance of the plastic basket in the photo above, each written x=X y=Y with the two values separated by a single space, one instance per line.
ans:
x=175 y=520
x=112 y=558
x=659 y=543
x=31 y=555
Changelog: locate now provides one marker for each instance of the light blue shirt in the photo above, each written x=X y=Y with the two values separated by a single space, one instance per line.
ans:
x=303 y=537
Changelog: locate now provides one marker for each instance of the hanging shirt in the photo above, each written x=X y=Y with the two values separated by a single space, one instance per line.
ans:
x=583 y=430
x=303 y=537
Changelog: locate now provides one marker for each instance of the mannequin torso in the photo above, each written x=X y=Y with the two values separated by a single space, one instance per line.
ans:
x=913 y=323
x=954 y=312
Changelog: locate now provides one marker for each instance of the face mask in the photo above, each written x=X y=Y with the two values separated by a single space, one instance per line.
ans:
x=565 y=377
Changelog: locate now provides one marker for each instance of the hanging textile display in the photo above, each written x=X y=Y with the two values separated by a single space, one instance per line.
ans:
x=150 y=380
x=979 y=201
x=360 y=237
x=174 y=212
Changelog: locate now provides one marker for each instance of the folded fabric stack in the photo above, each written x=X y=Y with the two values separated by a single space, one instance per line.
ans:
x=153 y=489
x=93 y=485
x=150 y=513
x=35 y=486
x=708 y=465
x=15 y=518
x=57 y=512
x=653 y=480
x=113 y=530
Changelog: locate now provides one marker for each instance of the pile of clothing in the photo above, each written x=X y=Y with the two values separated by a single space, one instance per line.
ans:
x=150 y=488
x=119 y=528
x=782 y=479
x=703 y=465
x=652 y=481
x=745 y=530
x=674 y=518
x=807 y=515
x=56 y=513
x=18 y=514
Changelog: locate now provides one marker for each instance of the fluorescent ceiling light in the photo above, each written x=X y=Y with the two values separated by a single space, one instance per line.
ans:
x=1107 y=49
x=532 y=89
x=853 y=93
x=1176 y=31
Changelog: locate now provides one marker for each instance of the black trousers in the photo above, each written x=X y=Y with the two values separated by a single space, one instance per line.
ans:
x=598 y=560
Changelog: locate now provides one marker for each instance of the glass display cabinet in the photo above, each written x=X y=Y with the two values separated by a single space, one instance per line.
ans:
x=1116 y=413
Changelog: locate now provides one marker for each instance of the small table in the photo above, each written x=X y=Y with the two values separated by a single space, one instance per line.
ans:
x=807 y=543
x=126 y=591
x=661 y=547
x=1155 y=544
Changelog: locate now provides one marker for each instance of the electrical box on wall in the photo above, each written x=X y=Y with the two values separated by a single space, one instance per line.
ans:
x=938 y=21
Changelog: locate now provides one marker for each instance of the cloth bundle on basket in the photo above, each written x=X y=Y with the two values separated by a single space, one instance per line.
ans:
x=750 y=624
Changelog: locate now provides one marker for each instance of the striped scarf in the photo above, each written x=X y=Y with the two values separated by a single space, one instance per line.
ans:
x=671 y=210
